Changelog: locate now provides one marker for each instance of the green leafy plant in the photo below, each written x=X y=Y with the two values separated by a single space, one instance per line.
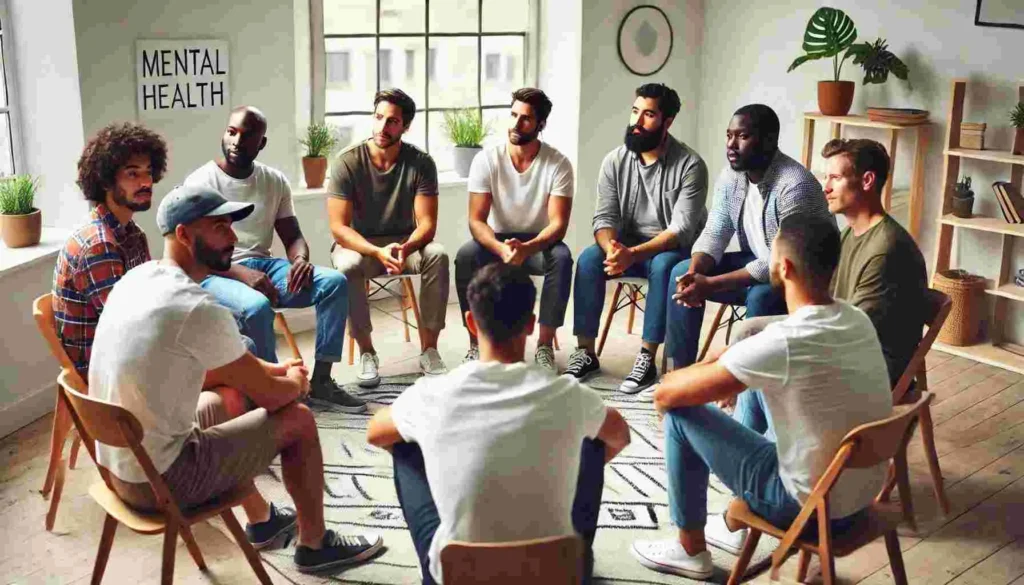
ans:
x=877 y=61
x=320 y=140
x=1017 y=116
x=829 y=32
x=465 y=128
x=963 y=188
x=17 y=194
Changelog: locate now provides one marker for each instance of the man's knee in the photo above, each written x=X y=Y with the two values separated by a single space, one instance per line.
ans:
x=434 y=254
x=561 y=258
x=591 y=261
x=665 y=263
x=295 y=423
x=466 y=255
x=333 y=284
x=680 y=269
x=258 y=312
x=763 y=299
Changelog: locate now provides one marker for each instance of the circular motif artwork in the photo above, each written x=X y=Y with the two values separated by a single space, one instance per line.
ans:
x=645 y=40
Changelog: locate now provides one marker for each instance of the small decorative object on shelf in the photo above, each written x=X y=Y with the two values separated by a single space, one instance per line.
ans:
x=908 y=116
x=972 y=135
x=21 y=224
x=320 y=141
x=1017 y=116
x=1019 y=279
x=963 y=198
x=1010 y=201
x=965 y=290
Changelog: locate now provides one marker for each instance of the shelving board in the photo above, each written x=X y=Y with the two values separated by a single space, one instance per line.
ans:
x=1008 y=291
x=986 y=353
x=985 y=224
x=999 y=156
x=862 y=121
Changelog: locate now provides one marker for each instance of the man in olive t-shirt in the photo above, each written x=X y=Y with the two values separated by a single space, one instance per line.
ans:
x=383 y=215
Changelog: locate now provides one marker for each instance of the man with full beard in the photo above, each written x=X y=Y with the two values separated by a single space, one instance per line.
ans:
x=255 y=282
x=650 y=208
x=382 y=208
x=520 y=197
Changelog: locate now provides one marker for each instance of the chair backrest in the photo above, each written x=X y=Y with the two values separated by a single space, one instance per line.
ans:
x=555 y=560
x=936 y=308
x=876 y=442
x=42 y=312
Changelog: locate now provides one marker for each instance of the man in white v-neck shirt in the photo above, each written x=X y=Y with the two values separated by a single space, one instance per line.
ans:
x=520 y=197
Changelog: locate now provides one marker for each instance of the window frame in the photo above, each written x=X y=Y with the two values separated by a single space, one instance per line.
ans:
x=10 y=87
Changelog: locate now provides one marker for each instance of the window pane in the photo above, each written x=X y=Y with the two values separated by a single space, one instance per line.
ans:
x=403 y=16
x=406 y=74
x=506 y=16
x=6 y=153
x=508 y=65
x=455 y=16
x=454 y=81
x=498 y=119
x=3 y=76
x=351 y=129
x=350 y=17
x=354 y=93
x=440 y=146
x=384 y=63
x=417 y=133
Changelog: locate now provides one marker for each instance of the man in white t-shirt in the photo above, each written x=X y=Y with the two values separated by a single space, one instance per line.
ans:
x=256 y=283
x=821 y=373
x=498 y=450
x=161 y=340
x=520 y=198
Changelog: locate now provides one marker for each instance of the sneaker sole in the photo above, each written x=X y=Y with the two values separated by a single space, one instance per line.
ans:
x=337 y=407
x=724 y=546
x=584 y=377
x=637 y=390
x=671 y=569
x=370 y=383
x=366 y=554
x=264 y=544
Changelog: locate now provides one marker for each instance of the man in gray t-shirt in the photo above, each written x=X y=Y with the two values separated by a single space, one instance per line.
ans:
x=650 y=208
x=383 y=214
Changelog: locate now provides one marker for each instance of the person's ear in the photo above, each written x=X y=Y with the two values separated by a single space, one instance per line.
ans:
x=868 y=181
x=542 y=126
x=668 y=122
x=786 y=269
x=263 y=143
x=471 y=325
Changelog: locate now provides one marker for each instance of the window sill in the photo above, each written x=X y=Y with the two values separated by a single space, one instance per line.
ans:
x=13 y=260
x=445 y=179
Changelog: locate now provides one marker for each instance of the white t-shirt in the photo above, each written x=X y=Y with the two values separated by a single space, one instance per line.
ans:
x=266 y=188
x=501 y=445
x=822 y=374
x=753 y=222
x=519 y=201
x=159 y=334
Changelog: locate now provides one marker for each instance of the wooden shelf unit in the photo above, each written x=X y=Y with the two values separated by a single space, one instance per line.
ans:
x=995 y=351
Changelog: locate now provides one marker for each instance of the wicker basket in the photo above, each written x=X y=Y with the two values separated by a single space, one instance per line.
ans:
x=966 y=292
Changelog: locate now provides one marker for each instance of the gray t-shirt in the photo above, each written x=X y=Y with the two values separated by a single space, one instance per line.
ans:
x=383 y=201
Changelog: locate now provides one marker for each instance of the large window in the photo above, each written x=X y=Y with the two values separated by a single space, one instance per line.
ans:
x=446 y=54
x=7 y=143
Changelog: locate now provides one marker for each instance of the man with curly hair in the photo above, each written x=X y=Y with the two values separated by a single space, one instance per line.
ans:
x=116 y=173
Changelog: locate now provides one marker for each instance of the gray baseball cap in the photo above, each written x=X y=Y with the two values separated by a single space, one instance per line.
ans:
x=185 y=204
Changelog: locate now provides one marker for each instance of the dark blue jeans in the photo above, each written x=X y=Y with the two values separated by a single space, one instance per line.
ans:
x=684 y=323
x=421 y=512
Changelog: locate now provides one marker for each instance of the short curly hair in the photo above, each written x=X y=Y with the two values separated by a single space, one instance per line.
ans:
x=110 y=149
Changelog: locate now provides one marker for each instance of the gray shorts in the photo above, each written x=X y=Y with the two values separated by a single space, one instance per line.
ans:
x=219 y=455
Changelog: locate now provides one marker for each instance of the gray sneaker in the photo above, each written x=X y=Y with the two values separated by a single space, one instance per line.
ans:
x=431 y=363
x=327 y=391
x=369 y=372
x=545 y=358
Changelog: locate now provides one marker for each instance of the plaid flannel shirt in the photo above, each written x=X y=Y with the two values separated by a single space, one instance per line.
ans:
x=93 y=259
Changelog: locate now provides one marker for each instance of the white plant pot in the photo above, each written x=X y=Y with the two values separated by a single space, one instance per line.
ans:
x=464 y=159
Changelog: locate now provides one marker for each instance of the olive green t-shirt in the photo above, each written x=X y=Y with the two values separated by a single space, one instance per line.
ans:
x=383 y=201
x=882 y=272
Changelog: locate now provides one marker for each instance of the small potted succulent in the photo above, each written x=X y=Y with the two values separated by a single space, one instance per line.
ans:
x=320 y=141
x=963 y=198
x=1017 y=119
x=20 y=222
x=466 y=131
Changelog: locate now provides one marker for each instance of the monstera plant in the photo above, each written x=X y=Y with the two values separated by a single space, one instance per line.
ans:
x=829 y=33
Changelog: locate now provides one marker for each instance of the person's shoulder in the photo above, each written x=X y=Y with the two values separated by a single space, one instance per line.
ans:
x=270 y=173
x=203 y=175
x=791 y=172
x=411 y=152
x=552 y=154
x=615 y=156
x=351 y=154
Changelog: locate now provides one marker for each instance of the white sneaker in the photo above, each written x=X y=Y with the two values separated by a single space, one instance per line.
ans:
x=369 y=372
x=717 y=534
x=668 y=556
x=431 y=363
x=545 y=358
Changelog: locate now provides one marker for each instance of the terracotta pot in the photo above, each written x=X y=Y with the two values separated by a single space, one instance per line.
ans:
x=835 y=97
x=20 y=231
x=315 y=170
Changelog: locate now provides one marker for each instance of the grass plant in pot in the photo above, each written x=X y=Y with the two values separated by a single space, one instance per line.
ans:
x=963 y=198
x=20 y=222
x=320 y=142
x=466 y=131
x=1017 y=119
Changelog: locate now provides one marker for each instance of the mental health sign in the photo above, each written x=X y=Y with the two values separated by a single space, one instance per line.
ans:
x=176 y=76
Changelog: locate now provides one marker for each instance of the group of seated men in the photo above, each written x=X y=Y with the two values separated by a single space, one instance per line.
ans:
x=186 y=343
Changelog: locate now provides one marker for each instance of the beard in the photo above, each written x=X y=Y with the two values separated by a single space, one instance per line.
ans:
x=236 y=157
x=384 y=140
x=120 y=197
x=752 y=161
x=521 y=138
x=643 y=141
x=212 y=258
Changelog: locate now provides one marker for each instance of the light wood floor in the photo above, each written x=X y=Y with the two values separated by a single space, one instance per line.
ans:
x=979 y=417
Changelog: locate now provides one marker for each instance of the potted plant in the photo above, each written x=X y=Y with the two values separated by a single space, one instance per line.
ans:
x=320 y=142
x=830 y=32
x=963 y=198
x=877 y=61
x=20 y=222
x=466 y=131
x=1017 y=119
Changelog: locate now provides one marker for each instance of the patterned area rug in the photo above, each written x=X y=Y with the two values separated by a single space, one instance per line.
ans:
x=361 y=497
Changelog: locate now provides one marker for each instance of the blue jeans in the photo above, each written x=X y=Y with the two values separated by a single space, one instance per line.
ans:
x=589 y=292
x=421 y=516
x=684 y=323
x=328 y=292
x=753 y=413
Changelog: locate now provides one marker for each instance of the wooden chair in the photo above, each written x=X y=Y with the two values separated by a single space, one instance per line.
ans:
x=736 y=313
x=53 y=485
x=556 y=560
x=281 y=323
x=408 y=301
x=634 y=287
x=865 y=446
x=107 y=423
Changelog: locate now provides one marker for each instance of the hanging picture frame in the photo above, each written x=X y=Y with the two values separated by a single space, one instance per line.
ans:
x=1000 y=13
x=645 y=40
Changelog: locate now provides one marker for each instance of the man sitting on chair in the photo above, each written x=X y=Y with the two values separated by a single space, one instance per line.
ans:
x=161 y=340
x=822 y=374
x=650 y=207
x=491 y=452
x=255 y=282
x=520 y=197
x=383 y=214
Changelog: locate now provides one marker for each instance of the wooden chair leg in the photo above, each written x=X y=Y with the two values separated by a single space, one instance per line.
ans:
x=825 y=556
x=283 y=324
x=76 y=445
x=170 y=543
x=928 y=438
x=351 y=347
x=415 y=306
x=711 y=332
x=803 y=565
x=728 y=329
x=554 y=340
x=631 y=294
x=250 y=553
x=892 y=546
x=608 y=319
x=58 y=489
x=106 y=542
x=890 y=483
x=749 y=546
x=405 y=309
x=903 y=483
x=193 y=548
x=58 y=436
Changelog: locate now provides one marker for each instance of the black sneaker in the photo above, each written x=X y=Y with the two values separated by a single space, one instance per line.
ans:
x=583 y=364
x=263 y=534
x=327 y=390
x=337 y=551
x=643 y=376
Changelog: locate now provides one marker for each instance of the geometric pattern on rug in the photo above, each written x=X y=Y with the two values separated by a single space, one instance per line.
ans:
x=360 y=496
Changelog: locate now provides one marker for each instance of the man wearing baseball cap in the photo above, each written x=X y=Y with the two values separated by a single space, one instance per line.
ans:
x=165 y=349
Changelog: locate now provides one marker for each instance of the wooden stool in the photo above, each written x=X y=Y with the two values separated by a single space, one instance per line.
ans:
x=408 y=301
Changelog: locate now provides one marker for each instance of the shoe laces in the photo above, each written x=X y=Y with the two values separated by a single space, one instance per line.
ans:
x=333 y=539
x=578 y=359
x=473 y=354
x=368 y=363
x=434 y=360
x=641 y=365
x=545 y=356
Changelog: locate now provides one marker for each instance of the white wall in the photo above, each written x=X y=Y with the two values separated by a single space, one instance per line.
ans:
x=558 y=72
